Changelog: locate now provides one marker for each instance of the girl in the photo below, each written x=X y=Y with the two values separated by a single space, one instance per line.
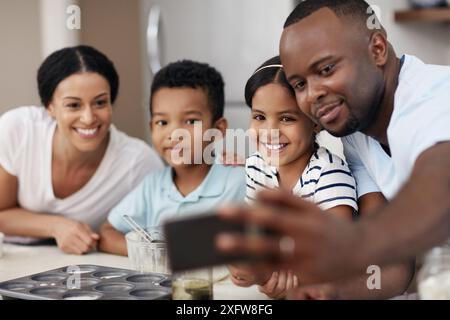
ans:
x=289 y=158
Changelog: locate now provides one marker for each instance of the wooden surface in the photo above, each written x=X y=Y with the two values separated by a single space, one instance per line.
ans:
x=423 y=15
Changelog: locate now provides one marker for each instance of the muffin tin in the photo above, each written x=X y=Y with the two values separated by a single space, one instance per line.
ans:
x=89 y=282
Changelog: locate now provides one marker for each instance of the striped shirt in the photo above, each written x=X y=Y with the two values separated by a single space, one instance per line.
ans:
x=326 y=180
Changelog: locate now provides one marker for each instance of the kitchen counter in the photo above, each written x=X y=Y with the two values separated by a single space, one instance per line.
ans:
x=19 y=261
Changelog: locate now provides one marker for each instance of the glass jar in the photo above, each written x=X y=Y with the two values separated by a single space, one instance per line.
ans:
x=434 y=277
x=148 y=256
x=193 y=285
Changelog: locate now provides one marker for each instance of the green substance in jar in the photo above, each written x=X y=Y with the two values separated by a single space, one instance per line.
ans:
x=192 y=289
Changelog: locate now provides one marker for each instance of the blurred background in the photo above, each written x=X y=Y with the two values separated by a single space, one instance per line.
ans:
x=139 y=36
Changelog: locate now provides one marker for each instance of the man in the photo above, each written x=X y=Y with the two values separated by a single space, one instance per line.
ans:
x=348 y=78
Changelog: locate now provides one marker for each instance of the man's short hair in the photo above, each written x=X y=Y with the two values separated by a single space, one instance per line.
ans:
x=358 y=10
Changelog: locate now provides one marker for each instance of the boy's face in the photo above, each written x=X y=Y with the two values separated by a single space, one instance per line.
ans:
x=274 y=108
x=180 y=108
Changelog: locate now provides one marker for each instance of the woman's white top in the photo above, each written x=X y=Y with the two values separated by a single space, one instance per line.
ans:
x=26 y=135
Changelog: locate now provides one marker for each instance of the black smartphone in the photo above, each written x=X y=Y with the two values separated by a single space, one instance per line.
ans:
x=191 y=241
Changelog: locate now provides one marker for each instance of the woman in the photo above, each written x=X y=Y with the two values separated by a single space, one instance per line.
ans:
x=63 y=167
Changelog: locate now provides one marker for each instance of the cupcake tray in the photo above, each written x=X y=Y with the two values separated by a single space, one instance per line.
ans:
x=89 y=282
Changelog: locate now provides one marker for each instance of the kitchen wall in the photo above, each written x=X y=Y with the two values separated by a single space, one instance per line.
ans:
x=429 y=41
x=116 y=27
x=113 y=26
x=20 y=52
x=54 y=31
x=32 y=29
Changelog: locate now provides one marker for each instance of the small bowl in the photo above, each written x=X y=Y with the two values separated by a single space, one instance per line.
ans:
x=145 y=256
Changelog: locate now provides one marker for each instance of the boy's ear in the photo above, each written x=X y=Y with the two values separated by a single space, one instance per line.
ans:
x=222 y=125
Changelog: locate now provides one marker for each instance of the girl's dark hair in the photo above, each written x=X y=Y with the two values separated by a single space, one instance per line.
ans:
x=263 y=76
x=68 y=61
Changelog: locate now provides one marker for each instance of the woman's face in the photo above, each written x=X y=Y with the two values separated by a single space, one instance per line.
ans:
x=81 y=106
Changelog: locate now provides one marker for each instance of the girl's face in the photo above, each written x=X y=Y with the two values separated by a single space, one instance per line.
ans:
x=82 y=108
x=275 y=108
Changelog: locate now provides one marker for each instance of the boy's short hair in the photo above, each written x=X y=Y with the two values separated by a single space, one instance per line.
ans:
x=191 y=74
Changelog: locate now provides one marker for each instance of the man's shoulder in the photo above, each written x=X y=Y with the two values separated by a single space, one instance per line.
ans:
x=421 y=83
x=422 y=100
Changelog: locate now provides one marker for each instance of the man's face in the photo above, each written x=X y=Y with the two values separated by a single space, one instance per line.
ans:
x=328 y=63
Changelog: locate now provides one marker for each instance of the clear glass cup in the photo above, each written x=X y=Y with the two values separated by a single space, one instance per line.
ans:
x=145 y=256
x=193 y=285
x=434 y=276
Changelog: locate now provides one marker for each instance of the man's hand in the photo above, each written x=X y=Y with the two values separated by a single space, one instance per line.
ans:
x=74 y=237
x=317 y=246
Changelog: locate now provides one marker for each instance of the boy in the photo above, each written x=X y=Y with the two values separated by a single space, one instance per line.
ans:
x=185 y=96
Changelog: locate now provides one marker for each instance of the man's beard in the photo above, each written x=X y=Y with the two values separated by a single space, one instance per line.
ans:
x=355 y=123
x=351 y=126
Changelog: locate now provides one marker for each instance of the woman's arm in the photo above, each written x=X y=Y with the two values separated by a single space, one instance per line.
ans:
x=71 y=236
x=111 y=240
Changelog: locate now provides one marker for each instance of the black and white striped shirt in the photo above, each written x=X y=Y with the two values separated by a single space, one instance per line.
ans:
x=326 y=180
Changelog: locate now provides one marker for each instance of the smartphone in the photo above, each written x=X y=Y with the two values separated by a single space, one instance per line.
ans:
x=191 y=241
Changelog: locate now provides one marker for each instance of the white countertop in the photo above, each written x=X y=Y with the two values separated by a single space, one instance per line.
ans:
x=19 y=261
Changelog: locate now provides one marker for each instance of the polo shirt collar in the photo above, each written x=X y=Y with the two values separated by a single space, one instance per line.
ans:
x=212 y=186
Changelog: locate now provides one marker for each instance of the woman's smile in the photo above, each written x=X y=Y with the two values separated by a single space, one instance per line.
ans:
x=88 y=133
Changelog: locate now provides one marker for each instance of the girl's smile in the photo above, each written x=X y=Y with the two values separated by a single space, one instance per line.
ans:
x=284 y=133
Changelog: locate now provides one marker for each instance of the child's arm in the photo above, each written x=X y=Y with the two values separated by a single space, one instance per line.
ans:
x=111 y=240
x=279 y=283
x=344 y=212
x=246 y=276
